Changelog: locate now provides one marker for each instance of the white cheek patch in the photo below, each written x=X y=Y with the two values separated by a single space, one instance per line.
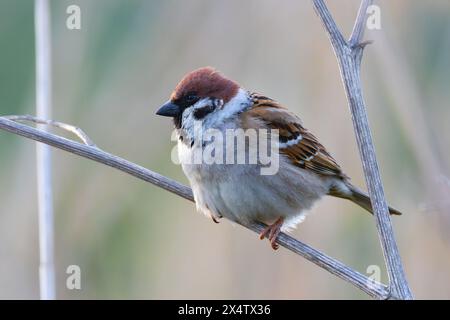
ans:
x=239 y=103
x=227 y=111
x=192 y=128
x=187 y=114
x=222 y=112
x=187 y=122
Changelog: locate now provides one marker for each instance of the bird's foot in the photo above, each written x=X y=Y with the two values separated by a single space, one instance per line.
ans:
x=271 y=232
x=216 y=219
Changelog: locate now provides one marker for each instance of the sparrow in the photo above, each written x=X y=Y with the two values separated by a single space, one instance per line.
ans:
x=306 y=172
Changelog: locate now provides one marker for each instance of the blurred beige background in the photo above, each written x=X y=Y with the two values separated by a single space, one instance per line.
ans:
x=133 y=240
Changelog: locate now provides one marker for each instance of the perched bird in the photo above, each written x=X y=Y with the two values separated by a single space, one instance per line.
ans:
x=240 y=192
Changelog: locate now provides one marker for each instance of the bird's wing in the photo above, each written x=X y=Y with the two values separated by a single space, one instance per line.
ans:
x=297 y=143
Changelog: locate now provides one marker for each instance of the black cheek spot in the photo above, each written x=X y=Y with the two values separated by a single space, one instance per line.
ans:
x=203 y=112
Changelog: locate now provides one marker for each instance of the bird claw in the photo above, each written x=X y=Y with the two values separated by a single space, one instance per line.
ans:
x=216 y=219
x=271 y=232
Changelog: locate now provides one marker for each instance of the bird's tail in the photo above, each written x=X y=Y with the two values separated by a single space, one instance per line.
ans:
x=357 y=196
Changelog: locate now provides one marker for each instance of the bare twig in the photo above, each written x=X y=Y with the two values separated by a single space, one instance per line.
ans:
x=372 y=288
x=360 y=24
x=349 y=55
x=64 y=126
x=43 y=152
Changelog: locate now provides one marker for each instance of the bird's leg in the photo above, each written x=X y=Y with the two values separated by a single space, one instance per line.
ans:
x=272 y=231
x=215 y=219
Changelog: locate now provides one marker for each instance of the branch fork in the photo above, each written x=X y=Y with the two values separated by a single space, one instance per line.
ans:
x=349 y=55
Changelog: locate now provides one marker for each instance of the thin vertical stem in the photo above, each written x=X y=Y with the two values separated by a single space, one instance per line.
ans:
x=43 y=152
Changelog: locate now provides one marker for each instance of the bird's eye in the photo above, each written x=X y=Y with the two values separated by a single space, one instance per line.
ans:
x=187 y=100
x=191 y=98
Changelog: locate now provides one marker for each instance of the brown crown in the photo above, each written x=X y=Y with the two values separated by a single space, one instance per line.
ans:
x=206 y=82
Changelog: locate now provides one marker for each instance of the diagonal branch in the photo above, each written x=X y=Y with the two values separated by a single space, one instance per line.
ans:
x=330 y=25
x=349 y=56
x=372 y=288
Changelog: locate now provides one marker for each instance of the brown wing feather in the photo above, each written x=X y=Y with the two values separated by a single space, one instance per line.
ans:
x=308 y=152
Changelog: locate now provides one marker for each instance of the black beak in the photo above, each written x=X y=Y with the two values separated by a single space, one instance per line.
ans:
x=169 y=109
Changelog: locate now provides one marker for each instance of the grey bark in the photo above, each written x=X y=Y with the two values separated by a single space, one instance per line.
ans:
x=349 y=55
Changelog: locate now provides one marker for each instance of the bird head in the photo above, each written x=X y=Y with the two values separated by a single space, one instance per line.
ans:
x=201 y=94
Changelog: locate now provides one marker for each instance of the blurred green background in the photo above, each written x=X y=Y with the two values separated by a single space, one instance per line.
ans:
x=133 y=240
